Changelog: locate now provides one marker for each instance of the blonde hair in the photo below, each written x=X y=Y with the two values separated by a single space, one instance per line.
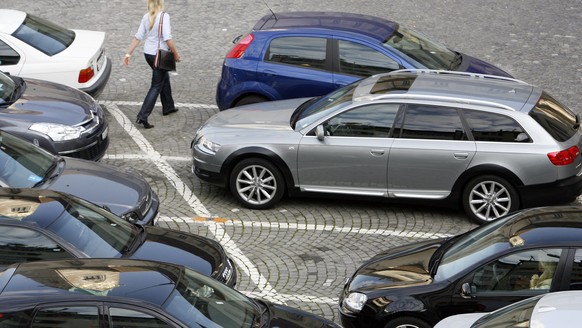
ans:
x=154 y=7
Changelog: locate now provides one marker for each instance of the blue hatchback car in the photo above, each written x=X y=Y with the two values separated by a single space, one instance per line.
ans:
x=304 y=54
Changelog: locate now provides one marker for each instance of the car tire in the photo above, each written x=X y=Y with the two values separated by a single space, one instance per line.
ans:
x=257 y=183
x=489 y=197
x=252 y=99
x=407 y=322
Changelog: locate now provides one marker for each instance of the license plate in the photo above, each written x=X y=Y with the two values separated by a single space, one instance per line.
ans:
x=100 y=61
x=104 y=135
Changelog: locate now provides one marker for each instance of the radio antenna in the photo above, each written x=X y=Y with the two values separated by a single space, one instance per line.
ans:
x=272 y=12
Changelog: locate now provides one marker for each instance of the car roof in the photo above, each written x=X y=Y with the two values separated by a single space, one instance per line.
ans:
x=21 y=204
x=10 y=20
x=148 y=281
x=501 y=92
x=372 y=26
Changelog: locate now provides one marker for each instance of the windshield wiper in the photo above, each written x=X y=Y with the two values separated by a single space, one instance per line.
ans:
x=456 y=62
x=52 y=172
x=300 y=108
x=135 y=242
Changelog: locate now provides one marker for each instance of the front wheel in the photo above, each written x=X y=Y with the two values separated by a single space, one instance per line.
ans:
x=257 y=183
x=489 y=197
x=407 y=322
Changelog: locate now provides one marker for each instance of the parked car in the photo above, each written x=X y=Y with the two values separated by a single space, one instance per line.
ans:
x=529 y=253
x=38 y=225
x=57 y=118
x=131 y=293
x=306 y=54
x=32 y=47
x=488 y=144
x=122 y=191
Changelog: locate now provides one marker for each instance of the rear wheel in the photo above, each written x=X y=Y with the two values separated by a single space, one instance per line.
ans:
x=257 y=183
x=407 y=322
x=252 y=99
x=489 y=197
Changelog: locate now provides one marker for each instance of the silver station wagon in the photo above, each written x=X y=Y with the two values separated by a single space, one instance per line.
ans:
x=487 y=144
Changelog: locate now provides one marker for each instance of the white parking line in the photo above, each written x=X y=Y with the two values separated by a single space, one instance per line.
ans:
x=151 y=154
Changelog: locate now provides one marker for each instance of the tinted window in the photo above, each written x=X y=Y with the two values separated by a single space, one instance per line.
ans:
x=576 y=277
x=554 y=117
x=44 y=35
x=432 y=122
x=494 y=127
x=298 y=51
x=25 y=245
x=528 y=270
x=361 y=60
x=14 y=319
x=86 y=316
x=7 y=55
x=125 y=318
x=366 y=121
x=516 y=315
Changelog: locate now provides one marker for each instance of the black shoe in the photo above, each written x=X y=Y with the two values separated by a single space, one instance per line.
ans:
x=170 y=111
x=145 y=123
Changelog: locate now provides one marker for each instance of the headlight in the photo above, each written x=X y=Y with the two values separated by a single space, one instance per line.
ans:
x=58 y=132
x=355 y=302
x=207 y=146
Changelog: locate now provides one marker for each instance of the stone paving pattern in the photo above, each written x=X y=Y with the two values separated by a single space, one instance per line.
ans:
x=536 y=40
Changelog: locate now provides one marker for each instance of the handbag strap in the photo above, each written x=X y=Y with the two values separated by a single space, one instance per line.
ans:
x=157 y=59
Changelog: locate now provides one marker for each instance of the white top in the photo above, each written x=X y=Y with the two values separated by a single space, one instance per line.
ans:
x=150 y=37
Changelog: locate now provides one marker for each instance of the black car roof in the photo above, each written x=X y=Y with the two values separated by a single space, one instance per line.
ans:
x=148 y=281
x=21 y=205
x=375 y=27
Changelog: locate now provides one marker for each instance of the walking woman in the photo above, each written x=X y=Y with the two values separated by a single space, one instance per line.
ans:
x=150 y=32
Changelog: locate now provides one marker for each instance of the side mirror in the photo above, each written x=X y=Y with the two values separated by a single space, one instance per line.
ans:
x=466 y=291
x=320 y=132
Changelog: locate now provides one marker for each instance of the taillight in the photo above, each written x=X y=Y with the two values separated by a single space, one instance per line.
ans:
x=86 y=74
x=564 y=157
x=239 y=49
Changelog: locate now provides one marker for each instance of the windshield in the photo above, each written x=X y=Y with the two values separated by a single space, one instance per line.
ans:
x=22 y=164
x=515 y=315
x=473 y=247
x=336 y=100
x=44 y=35
x=421 y=50
x=559 y=121
x=200 y=301
x=94 y=231
x=7 y=87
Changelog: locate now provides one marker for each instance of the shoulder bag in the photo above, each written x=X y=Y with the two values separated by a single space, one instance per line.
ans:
x=165 y=59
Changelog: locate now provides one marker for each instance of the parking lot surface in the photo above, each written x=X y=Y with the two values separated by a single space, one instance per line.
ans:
x=300 y=252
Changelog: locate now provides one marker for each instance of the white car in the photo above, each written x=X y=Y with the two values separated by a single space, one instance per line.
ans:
x=553 y=310
x=33 y=47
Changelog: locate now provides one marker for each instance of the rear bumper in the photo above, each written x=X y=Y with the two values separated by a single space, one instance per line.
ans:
x=97 y=87
x=559 y=192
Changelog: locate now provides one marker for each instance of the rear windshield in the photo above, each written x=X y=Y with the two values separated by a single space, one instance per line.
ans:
x=559 y=121
x=44 y=35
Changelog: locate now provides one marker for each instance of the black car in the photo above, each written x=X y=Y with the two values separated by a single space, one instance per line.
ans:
x=60 y=119
x=528 y=253
x=40 y=225
x=131 y=293
x=123 y=191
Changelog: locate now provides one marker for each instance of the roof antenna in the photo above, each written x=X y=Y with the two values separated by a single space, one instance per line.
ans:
x=272 y=12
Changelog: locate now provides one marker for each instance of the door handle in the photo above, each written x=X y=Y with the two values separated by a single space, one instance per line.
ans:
x=377 y=152
x=269 y=72
x=461 y=155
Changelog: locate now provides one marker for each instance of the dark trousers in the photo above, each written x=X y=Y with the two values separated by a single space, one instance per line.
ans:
x=160 y=86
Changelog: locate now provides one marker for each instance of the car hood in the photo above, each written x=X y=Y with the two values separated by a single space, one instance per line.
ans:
x=284 y=316
x=119 y=190
x=460 y=320
x=475 y=65
x=199 y=253
x=399 y=267
x=271 y=115
x=44 y=101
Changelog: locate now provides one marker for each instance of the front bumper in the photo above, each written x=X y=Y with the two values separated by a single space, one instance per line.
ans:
x=91 y=147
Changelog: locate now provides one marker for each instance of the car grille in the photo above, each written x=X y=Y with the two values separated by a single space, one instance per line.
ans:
x=94 y=152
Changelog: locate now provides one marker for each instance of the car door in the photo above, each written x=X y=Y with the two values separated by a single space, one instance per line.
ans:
x=67 y=314
x=355 y=60
x=11 y=59
x=352 y=156
x=296 y=66
x=431 y=150
x=508 y=279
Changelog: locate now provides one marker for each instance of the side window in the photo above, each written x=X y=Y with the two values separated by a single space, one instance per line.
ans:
x=494 y=127
x=7 y=55
x=361 y=60
x=527 y=270
x=25 y=245
x=126 y=318
x=576 y=276
x=373 y=121
x=15 y=319
x=298 y=51
x=73 y=316
x=432 y=122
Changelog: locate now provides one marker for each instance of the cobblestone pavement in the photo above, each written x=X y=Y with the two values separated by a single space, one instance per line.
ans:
x=301 y=252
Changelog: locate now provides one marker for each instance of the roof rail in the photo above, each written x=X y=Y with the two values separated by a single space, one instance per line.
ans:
x=439 y=98
x=457 y=73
